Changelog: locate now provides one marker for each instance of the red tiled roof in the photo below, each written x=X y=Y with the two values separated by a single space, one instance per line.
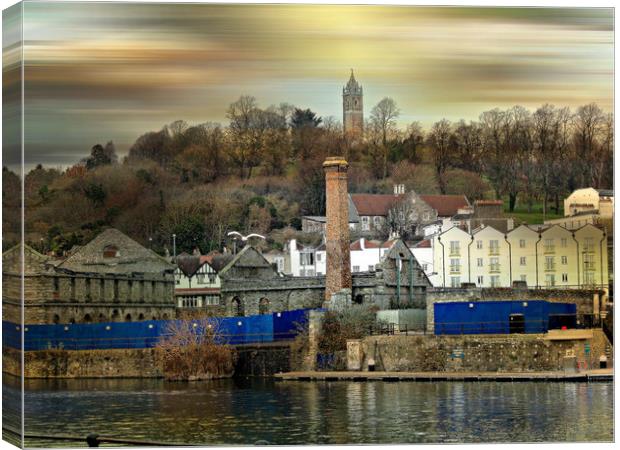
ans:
x=357 y=245
x=446 y=205
x=488 y=202
x=388 y=244
x=374 y=204
x=426 y=243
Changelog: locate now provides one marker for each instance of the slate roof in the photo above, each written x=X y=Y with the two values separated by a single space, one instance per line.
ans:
x=133 y=257
x=605 y=192
x=446 y=205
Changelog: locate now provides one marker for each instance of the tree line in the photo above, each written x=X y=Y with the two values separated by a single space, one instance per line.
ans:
x=262 y=171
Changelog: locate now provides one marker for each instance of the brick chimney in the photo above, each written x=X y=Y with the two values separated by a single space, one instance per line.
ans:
x=337 y=238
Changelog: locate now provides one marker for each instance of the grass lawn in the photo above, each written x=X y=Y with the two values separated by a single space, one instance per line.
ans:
x=521 y=215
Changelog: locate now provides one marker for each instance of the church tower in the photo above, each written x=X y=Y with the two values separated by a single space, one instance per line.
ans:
x=353 y=108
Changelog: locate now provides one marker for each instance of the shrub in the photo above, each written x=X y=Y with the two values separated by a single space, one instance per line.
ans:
x=192 y=350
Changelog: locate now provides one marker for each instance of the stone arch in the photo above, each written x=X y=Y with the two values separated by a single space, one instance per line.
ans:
x=165 y=316
x=72 y=320
x=263 y=305
x=154 y=318
x=141 y=316
x=102 y=318
x=115 y=315
x=358 y=299
x=56 y=319
x=236 y=306
x=128 y=318
x=87 y=318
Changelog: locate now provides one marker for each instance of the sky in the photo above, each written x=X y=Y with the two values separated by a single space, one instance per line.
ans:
x=109 y=71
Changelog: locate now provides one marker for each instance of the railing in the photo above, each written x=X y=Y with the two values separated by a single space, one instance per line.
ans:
x=550 y=267
x=455 y=252
x=549 y=249
x=494 y=268
x=455 y=269
x=493 y=251
x=588 y=265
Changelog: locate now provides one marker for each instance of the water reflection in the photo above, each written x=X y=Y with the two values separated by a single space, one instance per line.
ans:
x=244 y=411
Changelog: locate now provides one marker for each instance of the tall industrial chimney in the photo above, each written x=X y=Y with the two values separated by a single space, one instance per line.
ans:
x=337 y=238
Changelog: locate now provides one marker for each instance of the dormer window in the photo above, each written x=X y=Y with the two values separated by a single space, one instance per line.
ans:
x=111 y=251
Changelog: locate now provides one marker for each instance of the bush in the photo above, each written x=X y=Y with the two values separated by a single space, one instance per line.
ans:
x=353 y=322
x=191 y=350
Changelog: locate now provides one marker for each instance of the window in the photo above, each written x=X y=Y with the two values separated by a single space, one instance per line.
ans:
x=306 y=259
x=494 y=280
x=177 y=277
x=377 y=221
x=455 y=265
x=563 y=242
x=588 y=278
x=549 y=263
x=455 y=248
x=365 y=223
x=494 y=265
x=588 y=245
x=494 y=247
x=522 y=243
x=212 y=276
x=111 y=251
x=479 y=245
x=356 y=268
x=522 y=260
x=550 y=280
x=425 y=267
x=480 y=262
x=564 y=260
x=565 y=278
x=201 y=278
x=455 y=282
x=549 y=246
x=318 y=258
x=588 y=261
x=480 y=280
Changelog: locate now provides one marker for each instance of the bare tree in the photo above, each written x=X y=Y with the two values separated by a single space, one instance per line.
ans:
x=383 y=117
x=439 y=139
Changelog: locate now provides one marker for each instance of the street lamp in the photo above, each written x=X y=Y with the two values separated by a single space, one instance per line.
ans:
x=150 y=242
x=174 y=245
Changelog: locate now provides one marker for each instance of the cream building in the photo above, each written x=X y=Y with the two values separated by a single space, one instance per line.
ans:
x=541 y=256
x=589 y=200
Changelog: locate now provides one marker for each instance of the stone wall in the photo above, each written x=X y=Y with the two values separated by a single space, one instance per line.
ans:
x=585 y=299
x=117 y=363
x=66 y=298
x=488 y=353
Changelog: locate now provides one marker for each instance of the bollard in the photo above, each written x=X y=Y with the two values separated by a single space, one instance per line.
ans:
x=92 y=440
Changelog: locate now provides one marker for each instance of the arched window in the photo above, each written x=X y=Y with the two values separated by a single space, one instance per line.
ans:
x=128 y=318
x=237 y=309
x=56 y=318
x=87 y=318
x=263 y=306
x=141 y=316
x=115 y=315
x=111 y=251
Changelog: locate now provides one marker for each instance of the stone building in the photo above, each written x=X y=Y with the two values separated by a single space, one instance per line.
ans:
x=110 y=279
x=251 y=285
x=353 y=109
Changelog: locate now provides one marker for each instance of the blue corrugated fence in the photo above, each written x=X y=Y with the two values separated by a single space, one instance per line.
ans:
x=89 y=336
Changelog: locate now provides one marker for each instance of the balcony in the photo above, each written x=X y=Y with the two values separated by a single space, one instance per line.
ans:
x=588 y=265
x=494 y=268
x=588 y=248
x=550 y=267
x=455 y=252
x=493 y=251
x=549 y=248
x=455 y=269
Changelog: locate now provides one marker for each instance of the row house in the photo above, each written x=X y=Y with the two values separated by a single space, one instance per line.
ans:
x=542 y=256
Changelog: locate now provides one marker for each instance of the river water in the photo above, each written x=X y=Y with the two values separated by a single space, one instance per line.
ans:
x=244 y=411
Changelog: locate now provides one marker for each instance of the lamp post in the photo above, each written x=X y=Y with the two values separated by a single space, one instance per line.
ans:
x=150 y=242
x=174 y=245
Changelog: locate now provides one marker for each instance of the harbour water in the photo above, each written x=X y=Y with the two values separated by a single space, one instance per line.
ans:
x=245 y=411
